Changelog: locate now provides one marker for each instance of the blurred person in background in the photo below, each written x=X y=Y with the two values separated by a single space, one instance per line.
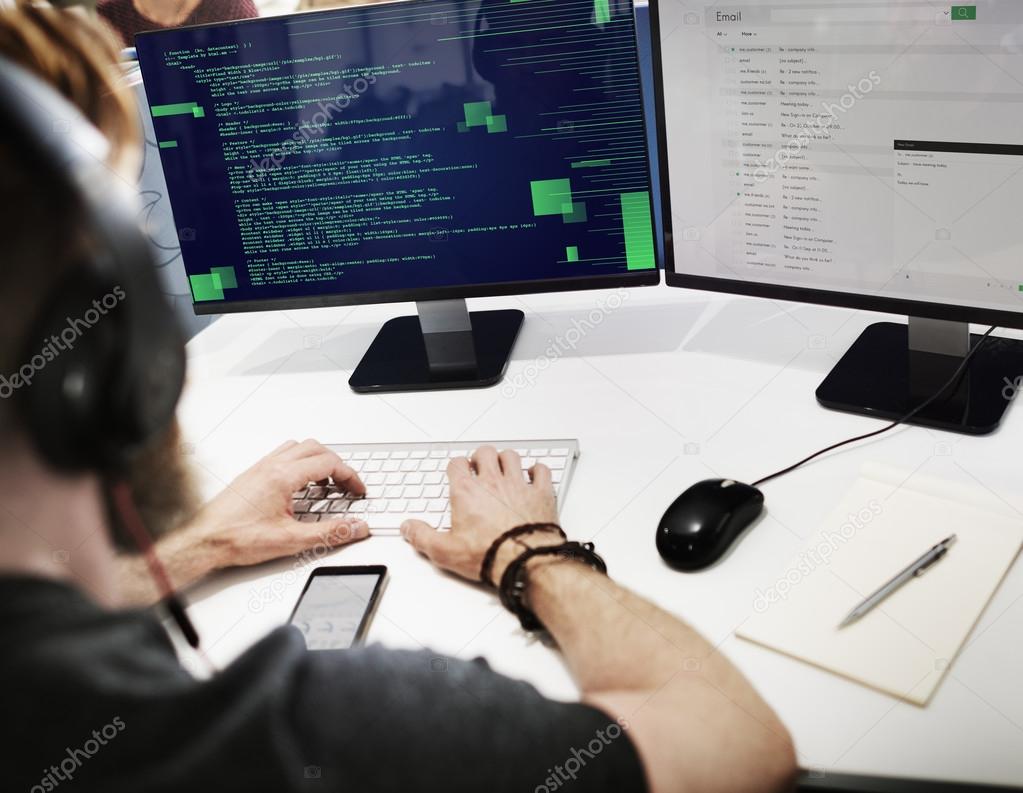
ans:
x=129 y=17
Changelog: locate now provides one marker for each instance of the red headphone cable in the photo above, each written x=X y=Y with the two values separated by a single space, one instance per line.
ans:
x=132 y=521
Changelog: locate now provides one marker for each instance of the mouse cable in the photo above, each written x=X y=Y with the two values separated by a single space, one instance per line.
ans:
x=953 y=380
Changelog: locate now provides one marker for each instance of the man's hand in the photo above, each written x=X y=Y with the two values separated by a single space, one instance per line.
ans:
x=489 y=496
x=695 y=721
x=252 y=521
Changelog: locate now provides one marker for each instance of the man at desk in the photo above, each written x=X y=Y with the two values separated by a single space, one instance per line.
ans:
x=95 y=698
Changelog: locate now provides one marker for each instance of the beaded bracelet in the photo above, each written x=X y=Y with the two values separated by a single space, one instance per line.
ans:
x=486 y=569
x=513 y=582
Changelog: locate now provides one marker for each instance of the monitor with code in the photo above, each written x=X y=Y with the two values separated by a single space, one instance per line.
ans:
x=379 y=152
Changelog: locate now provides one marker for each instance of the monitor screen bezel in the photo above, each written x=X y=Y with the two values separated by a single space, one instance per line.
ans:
x=798 y=294
x=627 y=279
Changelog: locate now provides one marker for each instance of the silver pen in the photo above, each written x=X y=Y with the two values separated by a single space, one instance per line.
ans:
x=912 y=570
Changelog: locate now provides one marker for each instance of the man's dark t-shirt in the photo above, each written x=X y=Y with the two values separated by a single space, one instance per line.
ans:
x=97 y=701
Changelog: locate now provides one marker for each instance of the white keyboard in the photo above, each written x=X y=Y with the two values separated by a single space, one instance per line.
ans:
x=409 y=480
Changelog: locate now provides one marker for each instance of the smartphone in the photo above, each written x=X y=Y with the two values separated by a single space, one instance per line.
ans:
x=336 y=606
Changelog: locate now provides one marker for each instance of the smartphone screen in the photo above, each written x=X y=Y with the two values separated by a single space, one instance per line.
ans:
x=334 y=609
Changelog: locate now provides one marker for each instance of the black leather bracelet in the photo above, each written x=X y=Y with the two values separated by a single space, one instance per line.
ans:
x=514 y=580
x=487 y=567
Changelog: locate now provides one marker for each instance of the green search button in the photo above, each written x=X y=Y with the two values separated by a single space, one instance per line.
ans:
x=964 y=12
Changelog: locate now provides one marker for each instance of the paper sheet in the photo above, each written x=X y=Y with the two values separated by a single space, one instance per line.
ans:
x=885 y=521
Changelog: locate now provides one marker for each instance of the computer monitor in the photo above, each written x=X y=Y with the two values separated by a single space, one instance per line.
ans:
x=430 y=150
x=862 y=154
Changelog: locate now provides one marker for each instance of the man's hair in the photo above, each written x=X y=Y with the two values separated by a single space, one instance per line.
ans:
x=39 y=229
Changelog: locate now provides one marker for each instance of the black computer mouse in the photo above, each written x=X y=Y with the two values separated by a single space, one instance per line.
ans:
x=703 y=522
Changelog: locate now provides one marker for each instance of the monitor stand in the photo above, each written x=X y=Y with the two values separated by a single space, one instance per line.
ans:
x=443 y=347
x=891 y=368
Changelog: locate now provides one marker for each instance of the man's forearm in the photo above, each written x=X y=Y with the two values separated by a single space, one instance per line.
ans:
x=695 y=719
x=602 y=628
x=183 y=554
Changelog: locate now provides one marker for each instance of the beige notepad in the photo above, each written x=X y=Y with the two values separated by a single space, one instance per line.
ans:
x=885 y=521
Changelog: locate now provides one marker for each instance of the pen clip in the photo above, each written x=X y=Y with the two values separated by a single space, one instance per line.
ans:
x=925 y=567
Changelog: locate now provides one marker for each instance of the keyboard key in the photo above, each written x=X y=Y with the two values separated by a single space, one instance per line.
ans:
x=413 y=478
x=340 y=505
x=433 y=478
x=320 y=506
x=380 y=455
x=302 y=506
x=374 y=479
x=410 y=465
x=309 y=518
x=317 y=492
x=429 y=465
x=399 y=455
x=556 y=463
x=387 y=522
x=393 y=478
x=437 y=505
x=393 y=491
x=432 y=491
x=413 y=491
x=378 y=505
x=390 y=466
x=372 y=466
x=397 y=505
x=439 y=454
x=417 y=505
x=418 y=454
x=299 y=493
x=360 y=456
x=359 y=507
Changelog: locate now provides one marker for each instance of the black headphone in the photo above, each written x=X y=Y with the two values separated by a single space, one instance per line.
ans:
x=103 y=365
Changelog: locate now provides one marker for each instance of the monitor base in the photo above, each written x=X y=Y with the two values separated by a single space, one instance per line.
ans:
x=458 y=350
x=881 y=376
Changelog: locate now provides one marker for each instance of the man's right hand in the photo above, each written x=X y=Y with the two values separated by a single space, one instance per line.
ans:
x=489 y=496
x=695 y=721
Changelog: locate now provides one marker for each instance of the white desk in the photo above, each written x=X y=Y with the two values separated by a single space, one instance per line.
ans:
x=670 y=388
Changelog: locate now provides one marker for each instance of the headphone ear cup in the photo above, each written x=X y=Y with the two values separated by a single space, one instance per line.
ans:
x=150 y=371
x=107 y=365
x=71 y=355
